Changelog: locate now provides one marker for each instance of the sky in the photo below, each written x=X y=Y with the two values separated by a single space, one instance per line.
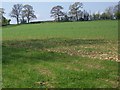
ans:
x=42 y=9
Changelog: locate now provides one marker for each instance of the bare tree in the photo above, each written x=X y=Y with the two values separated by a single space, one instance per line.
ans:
x=16 y=11
x=56 y=12
x=29 y=12
x=75 y=9
x=23 y=20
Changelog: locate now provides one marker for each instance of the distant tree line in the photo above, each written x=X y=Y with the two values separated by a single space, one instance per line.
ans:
x=25 y=13
x=76 y=13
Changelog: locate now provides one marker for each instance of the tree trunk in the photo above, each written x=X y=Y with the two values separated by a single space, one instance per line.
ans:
x=76 y=16
x=58 y=18
x=17 y=20
x=28 y=19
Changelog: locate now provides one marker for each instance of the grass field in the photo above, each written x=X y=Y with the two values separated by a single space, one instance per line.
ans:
x=61 y=55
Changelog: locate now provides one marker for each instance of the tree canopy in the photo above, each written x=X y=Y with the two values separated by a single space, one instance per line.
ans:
x=56 y=12
x=16 y=11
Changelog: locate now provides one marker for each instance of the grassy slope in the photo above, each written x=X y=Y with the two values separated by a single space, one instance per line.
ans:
x=44 y=55
x=93 y=29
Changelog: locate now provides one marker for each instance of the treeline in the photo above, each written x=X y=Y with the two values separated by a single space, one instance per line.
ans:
x=25 y=13
x=76 y=13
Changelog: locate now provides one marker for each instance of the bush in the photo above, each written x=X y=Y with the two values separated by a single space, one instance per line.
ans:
x=5 y=21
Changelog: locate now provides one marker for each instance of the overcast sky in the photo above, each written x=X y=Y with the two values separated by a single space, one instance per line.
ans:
x=42 y=9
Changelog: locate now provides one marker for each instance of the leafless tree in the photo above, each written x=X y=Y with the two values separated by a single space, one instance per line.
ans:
x=16 y=11
x=28 y=12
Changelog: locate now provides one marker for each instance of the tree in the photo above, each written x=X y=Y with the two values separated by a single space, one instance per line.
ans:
x=23 y=20
x=1 y=15
x=2 y=11
x=16 y=11
x=3 y=20
x=96 y=16
x=86 y=15
x=75 y=9
x=65 y=17
x=110 y=12
x=56 y=12
x=28 y=12
x=117 y=11
x=104 y=16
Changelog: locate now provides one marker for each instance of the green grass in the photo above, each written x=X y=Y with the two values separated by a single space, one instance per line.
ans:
x=60 y=55
x=83 y=30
